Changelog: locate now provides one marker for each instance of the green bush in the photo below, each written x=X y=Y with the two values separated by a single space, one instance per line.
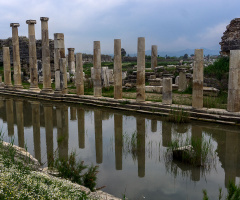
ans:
x=218 y=68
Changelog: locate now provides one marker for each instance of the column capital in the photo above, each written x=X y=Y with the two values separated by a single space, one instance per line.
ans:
x=14 y=25
x=44 y=18
x=30 y=21
x=71 y=49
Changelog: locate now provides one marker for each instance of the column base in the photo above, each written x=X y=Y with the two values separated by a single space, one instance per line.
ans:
x=46 y=90
x=18 y=87
x=35 y=89
x=58 y=92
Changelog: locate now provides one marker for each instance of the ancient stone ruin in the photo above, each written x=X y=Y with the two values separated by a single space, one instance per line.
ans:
x=231 y=37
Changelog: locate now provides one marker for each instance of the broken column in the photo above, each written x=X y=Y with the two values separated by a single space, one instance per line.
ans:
x=117 y=69
x=73 y=113
x=7 y=67
x=233 y=104
x=154 y=57
x=81 y=127
x=20 y=124
x=98 y=136
x=118 y=129
x=16 y=57
x=71 y=61
x=10 y=116
x=36 y=129
x=197 y=93
x=97 y=82
x=59 y=52
x=32 y=56
x=167 y=91
x=63 y=75
x=182 y=82
x=79 y=75
x=140 y=123
x=46 y=68
x=141 y=70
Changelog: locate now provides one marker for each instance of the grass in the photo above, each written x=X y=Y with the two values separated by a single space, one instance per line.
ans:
x=233 y=192
x=216 y=102
x=177 y=115
x=20 y=180
x=201 y=153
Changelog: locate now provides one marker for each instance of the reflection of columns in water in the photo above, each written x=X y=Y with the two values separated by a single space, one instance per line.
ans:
x=197 y=138
x=10 y=117
x=118 y=127
x=73 y=112
x=98 y=135
x=140 y=122
x=20 y=125
x=154 y=125
x=231 y=157
x=166 y=133
x=62 y=131
x=49 y=132
x=36 y=129
x=81 y=128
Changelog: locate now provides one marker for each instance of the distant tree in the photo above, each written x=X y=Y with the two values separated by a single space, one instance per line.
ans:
x=123 y=52
x=192 y=55
x=185 y=56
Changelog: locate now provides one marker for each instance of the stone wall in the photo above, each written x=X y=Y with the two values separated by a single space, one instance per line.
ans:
x=231 y=37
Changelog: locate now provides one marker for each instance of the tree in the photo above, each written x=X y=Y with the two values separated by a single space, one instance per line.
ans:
x=185 y=56
x=123 y=52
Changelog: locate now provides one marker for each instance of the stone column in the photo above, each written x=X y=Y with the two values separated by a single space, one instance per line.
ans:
x=71 y=61
x=154 y=57
x=154 y=125
x=233 y=104
x=32 y=56
x=79 y=75
x=118 y=128
x=59 y=52
x=167 y=91
x=36 y=129
x=73 y=113
x=182 y=82
x=97 y=82
x=7 y=67
x=197 y=93
x=117 y=69
x=63 y=75
x=46 y=68
x=141 y=70
x=20 y=124
x=48 y=119
x=141 y=146
x=10 y=117
x=81 y=128
x=98 y=136
x=16 y=57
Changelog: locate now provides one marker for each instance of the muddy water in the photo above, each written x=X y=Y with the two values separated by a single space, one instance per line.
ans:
x=130 y=149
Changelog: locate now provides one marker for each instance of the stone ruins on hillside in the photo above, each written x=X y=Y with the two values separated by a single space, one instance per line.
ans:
x=231 y=37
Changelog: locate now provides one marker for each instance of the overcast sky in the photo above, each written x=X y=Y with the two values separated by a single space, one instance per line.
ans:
x=171 y=24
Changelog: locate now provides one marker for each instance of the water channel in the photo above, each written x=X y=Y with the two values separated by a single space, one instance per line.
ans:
x=105 y=137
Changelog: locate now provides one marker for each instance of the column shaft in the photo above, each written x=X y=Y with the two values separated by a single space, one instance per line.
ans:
x=71 y=61
x=98 y=136
x=63 y=75
x=81 y=128
x=154 y=55
x=97 y=82
x=7 y=67
x=20 y=125
x=141 y=70
x=117 y=69
x=47 y=88
x=79 y=75
x=16 y=57
x=167 y=91
x=233 y=104
x=197 y=93
x=32 y=55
